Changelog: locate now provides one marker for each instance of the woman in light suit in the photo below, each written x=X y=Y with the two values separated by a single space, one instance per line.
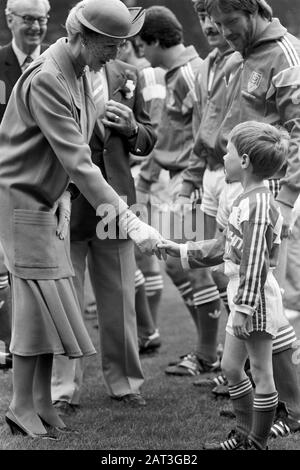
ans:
x=44 y=139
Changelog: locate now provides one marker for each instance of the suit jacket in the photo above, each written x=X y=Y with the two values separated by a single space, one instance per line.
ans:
x=44 y=139
x=10 y=71
x=112 y=155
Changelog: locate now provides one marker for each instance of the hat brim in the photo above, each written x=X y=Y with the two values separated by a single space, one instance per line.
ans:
x=137 y=21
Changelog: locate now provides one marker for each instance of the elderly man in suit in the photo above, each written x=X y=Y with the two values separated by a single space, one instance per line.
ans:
x=27 y=21
x=123 y=127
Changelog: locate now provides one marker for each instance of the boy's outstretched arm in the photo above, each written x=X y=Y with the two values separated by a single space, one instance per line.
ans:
x=203 y=253
x=169 y=247
x=196 y=254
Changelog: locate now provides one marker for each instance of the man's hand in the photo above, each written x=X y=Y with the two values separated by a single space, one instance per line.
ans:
x=63 y=214
x=169 y=247
x=241 y=325
x=286 y=212
x=119 y=117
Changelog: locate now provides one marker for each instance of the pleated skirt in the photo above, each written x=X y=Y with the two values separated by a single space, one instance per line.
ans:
x=46 y=319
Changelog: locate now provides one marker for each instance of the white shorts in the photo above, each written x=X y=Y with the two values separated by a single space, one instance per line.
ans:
x=213 y=184
x=269 y=316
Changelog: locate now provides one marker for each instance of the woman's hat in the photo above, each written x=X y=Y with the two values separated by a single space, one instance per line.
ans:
x=111 y=18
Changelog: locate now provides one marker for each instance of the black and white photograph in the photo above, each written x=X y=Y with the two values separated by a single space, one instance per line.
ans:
x=149 y=228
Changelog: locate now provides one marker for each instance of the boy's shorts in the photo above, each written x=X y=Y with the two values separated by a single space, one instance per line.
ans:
x=269 y=315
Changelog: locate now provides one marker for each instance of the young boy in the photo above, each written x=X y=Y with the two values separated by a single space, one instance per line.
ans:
x=249 y=248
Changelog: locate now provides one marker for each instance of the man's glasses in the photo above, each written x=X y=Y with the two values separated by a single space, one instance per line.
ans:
x=30 y=20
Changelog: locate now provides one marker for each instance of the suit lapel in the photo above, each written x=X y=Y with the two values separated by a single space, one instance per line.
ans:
x=12 y=68
x=116 y=80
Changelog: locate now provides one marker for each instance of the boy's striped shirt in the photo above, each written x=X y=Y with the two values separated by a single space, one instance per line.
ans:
x=252 y=242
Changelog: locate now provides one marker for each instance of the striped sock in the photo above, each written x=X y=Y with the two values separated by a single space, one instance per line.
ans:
x=224 y=298
x=205 y=296
x=154 y=287
x=145 y=323
x=186 y=291
x=3 y=280
x=139 y=279
x=287 y=383
x=207 y=302
x=241 y=396
x=264 y=409
x=284 y=339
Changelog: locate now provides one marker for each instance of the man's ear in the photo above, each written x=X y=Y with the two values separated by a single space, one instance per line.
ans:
x=245 y=161
x=9 y=19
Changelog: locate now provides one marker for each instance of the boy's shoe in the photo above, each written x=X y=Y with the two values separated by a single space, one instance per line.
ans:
x=284 y=426
x=191 y=365
x=150 y=343
x=211 y=381
x=234 y=441
x=249 y=445
x=176 y=362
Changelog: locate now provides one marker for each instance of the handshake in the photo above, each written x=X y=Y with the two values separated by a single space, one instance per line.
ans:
x=147 y=238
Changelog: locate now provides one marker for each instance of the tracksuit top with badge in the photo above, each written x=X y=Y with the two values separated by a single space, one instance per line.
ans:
x=175 y=135
x=208 y=114
x=249 y=245
x=266 y=88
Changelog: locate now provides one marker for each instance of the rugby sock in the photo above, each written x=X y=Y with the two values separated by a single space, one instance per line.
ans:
x=287 y=383
x=208 y=305
x=241 y=396
x=145 y=323
x=186 y=291
x=154 y=287
x=224 y=298
x=264 y=409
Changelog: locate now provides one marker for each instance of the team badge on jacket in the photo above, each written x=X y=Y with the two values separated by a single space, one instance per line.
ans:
x=254 y=81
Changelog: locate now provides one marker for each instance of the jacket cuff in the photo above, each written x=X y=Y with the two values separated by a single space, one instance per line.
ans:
x=184 y=256
x=245 y=309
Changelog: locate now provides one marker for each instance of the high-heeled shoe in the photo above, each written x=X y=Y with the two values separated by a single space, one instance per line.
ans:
x=17 y=428
x=62 y=429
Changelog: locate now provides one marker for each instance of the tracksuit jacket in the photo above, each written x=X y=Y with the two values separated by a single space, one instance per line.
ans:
x=175 y=134
x=266 y=88
x=208 y=114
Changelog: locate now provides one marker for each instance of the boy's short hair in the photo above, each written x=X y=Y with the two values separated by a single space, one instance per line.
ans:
x=199 y=6
x=161 y=25
x=247 y=6
x=266 y=146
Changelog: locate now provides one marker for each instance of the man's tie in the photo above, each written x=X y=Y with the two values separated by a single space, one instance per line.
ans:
x=27 y=62
x=98 y=95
